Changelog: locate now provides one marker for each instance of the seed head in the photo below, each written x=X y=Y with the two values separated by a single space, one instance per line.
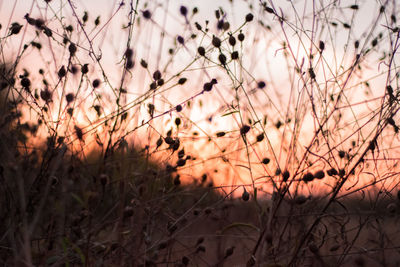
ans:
x=249 y=17
x=265 y=160
x=332 y=172
x=178 y=121
x=62 y=72
x=157 y=75
x=178 y=108
x=321 y=46
x=183 y=10
x=25 y=82
x=96 y=83
x=235 y=55
x=180 y=39
x=146 y=14
x=308 y=177
x=220 y=134
x=69 y=97
x=245 y=129
x=216 y=42
x=261 y=84
x=222 y=59
x=285 y=175
x=85 y=68
x=15 y=28
x=201 y=51
x=182 y=80
x=245 y=195
x=232 y=40
x=319 y=174
x=159 y=142
x=47 y=31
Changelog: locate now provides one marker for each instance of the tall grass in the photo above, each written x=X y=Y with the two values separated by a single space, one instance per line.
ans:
x=145 y=133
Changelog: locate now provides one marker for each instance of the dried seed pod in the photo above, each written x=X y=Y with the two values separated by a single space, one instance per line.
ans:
x=269 y=10
x=201 y=51
x=47 y=32
x=78 y=132
x=241 y=37
x=180 y=39
x=157 y=75
x=312 y=73
x=85 y=68
x=216 y=41
x=245 y=195
x=182 y=80
x=220 y=134
x=321 y=46
x=183 y=10
x=96 y=83
x=332 y=172
x=15 y=28
x=222 y=59
x=265 y=160
x=232 y=40
x=181 y=153
x=235 y=55
x=245 y=129
x=159 y=142
x=160 y=82
x=249 y=17
x=129 y=64
x=169 y=140
x=220 y=24
x=61 y=72
x=319 y=174
x=146 y=14
x=226 y=26
x=69 y=97
x=285 y=175
x=308 y=177
x=198 y=26
x=143 y=63
x=178 y=108
x=260 y=137
x=72 y=49
x=153 y=86
x=69 y=28
x=261 y=84
x=45 y=95
x=207 y=87
x=25 y=82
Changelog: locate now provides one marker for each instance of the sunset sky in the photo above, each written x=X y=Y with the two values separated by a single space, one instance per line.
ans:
x=269 y=55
